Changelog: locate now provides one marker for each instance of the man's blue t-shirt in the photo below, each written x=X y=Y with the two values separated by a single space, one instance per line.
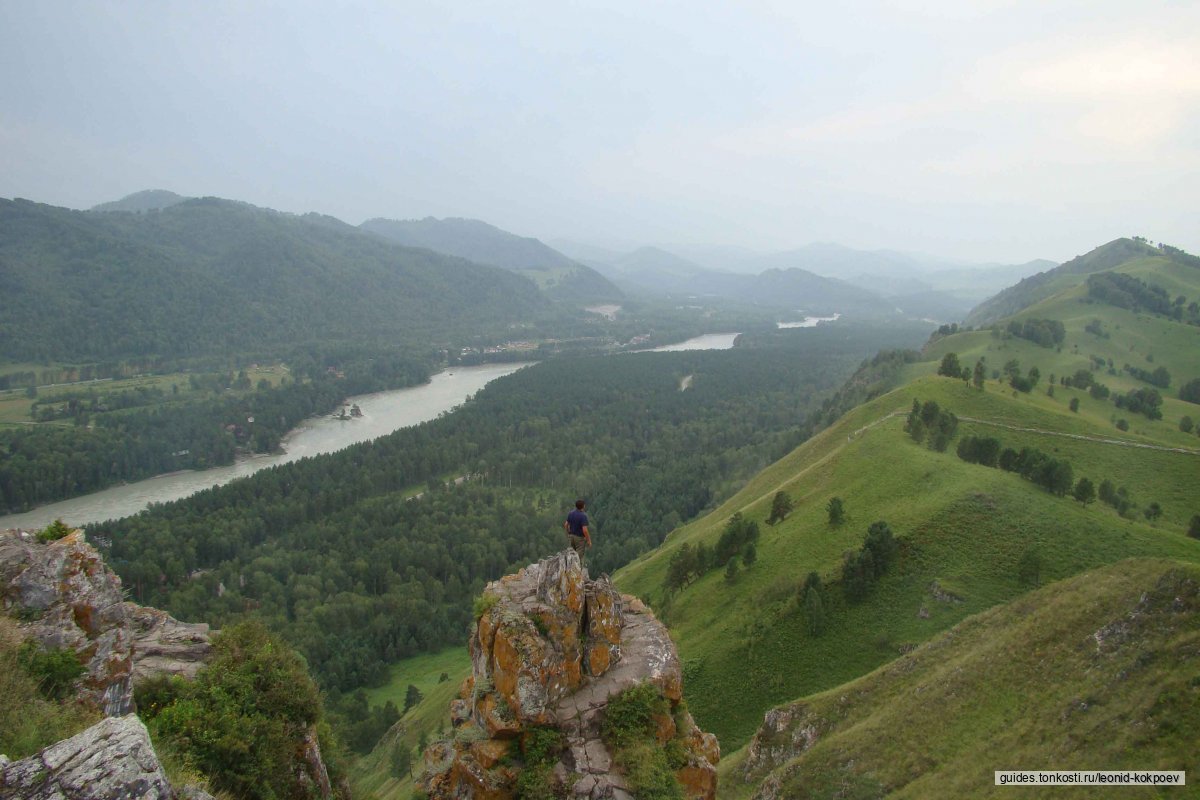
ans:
x=576 y=521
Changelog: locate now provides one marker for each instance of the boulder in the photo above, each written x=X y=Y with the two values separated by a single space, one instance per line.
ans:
x=112 y=760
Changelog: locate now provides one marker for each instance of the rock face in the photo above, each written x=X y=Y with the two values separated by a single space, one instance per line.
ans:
x=68 y=598
x=111 y=760
x=164 y=645
x=549 y=651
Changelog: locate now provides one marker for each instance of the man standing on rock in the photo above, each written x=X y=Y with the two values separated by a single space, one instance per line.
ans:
x=576 y=526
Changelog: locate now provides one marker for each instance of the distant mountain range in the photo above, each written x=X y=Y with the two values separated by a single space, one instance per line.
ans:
x=556 y=274
x=186 y=277
x=816 y=277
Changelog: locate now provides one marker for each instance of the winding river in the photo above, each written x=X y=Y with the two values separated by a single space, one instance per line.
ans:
x=383 y=413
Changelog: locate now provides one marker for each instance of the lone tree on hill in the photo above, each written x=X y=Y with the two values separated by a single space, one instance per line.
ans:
x=836 y=510
x=412 y=697
x=980 y=374
x=950 y=366
x=781 y=506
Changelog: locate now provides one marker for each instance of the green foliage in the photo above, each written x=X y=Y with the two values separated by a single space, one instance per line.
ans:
x=1126 y=291
x=1160 y=377
x=1043 y=332
x=1186 y=424
x=781 y=506
x=629 y=716
x=542 y=745
x=53 y=532
x=835 y=511
x=950 y=367
x=243 y=720
x=1194 y=527
x=731 y=570
x=483 y=604
x=1141 y=401
x=738 y=534
x=629 y=730
x=928 y=422
x=401 y=760
x=861 y=569
x=1190 y=391
x=1085 y=491
x=54 y=669
x=983 y=450
x=412 y=696
x=536 y=782
x=29 y=720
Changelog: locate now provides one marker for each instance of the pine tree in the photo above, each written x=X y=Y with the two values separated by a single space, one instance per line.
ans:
x=781 y=506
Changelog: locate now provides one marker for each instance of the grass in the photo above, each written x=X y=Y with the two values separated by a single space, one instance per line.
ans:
x=963 y=525
x=1091 y=673
x=371 y=776
x=28 y=720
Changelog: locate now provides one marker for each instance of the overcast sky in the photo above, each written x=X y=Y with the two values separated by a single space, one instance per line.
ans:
x=992 y=130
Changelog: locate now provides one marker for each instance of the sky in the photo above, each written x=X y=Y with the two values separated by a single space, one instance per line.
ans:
x=997 y=130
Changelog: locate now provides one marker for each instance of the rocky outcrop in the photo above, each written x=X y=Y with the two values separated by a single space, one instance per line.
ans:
x=550 y=650
x=67 y=598
x=111 y=760
x=164 y=645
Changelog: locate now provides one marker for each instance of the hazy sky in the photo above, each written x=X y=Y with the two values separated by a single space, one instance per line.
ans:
x=990 y=130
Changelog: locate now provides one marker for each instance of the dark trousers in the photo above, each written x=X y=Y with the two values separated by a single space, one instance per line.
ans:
x=578 y=544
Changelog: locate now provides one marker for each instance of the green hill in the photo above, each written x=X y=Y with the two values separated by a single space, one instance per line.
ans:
x=964 y=529
x=1096 y=672
x=554 y=273
x=209 y=276
x=1045 y=284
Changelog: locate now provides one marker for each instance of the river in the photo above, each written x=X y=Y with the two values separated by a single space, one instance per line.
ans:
x=383 y=413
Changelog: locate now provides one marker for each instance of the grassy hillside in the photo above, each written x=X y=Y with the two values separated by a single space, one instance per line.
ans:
x=1092 y=673
x=963 y=526
x=1046 y=284
x=374 y=776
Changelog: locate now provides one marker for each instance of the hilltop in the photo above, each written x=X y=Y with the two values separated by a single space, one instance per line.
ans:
x=1095 y=672
x=969 y=536
x=1045 y=284
x=477 y=241
x=138 y=202
x=206 y=276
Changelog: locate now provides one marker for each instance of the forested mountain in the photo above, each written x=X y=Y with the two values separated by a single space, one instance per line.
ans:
x=1057 y=441
x=210 y=276
x=148 y=200
x=477 y=241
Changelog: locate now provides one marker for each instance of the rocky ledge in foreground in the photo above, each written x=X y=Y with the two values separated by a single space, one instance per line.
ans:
x=550 y=652
x=111 y=759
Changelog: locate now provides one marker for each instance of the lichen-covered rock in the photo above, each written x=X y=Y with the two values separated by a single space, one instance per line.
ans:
x=112 y=760
x=786 y=732
x=70 y=599
x=603 y=613
x=164 y=645
x=551 y=649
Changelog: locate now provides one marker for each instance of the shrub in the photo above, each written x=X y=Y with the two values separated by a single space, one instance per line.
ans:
x=629 y=717
x=483 y=604
x=54 y=531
